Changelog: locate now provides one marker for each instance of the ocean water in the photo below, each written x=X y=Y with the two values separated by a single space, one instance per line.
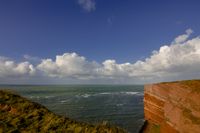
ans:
x=121 y=105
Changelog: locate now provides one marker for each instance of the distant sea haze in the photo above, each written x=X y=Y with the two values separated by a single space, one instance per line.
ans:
x=121 y=105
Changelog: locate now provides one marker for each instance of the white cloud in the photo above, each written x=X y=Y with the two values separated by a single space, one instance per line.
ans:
x=176 y=61
x=68 y=65
x=9 y=68
x=180 y=60
x=31 y=58
x=183 y=37
x=87 y=5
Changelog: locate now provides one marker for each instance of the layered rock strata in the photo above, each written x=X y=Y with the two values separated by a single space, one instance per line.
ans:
x=172 y=107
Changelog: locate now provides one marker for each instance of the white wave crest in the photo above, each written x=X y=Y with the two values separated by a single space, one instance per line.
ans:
x=109 y=93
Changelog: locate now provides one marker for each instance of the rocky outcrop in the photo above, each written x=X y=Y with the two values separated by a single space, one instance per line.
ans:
x=172 y=107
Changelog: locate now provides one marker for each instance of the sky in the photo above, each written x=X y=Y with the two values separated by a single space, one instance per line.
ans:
x=99 y=41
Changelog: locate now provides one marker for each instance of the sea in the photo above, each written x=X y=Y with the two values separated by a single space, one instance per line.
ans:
x=120 y=105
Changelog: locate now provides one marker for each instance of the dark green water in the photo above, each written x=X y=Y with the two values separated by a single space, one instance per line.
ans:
x=121 y=105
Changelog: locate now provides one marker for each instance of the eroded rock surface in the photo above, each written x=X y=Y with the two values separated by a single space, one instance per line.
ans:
x=172 y=107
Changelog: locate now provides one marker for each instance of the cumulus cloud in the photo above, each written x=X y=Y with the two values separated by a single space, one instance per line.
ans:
x=176 y=61
x=11 y=68
x=183 y=37
x=87 y=5
x=180 y=59
x=68 y=65
x=31 y=58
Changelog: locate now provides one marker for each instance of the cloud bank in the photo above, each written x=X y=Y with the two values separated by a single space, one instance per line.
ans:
x=176 y=61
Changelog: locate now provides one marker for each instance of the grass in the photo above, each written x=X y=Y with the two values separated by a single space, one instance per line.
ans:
x=19 y=114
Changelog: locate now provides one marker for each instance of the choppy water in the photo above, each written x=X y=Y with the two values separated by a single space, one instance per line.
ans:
x=121 y=105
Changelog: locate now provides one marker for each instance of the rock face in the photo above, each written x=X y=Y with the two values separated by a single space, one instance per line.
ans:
x=172 y=107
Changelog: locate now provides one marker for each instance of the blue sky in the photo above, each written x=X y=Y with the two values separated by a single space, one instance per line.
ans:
x=98 y=30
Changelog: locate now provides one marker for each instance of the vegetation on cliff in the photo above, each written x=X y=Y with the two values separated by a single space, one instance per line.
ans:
x=18 y=114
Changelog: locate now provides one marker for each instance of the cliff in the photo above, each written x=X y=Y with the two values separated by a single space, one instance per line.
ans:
x=172 y=107
x=18 y=114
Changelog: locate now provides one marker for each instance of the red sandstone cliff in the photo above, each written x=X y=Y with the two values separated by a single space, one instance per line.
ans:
x=172 y=107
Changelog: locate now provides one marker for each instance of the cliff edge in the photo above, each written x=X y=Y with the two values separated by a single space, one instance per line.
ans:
x=172 y=107
x=18 y=114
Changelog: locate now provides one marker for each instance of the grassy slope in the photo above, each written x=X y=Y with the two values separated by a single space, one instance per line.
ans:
x=18 y=114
